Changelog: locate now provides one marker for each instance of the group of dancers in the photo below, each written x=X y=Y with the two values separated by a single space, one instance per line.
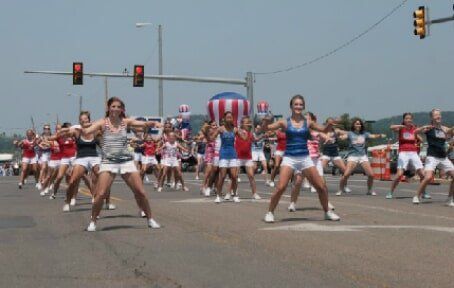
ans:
x=97 y=151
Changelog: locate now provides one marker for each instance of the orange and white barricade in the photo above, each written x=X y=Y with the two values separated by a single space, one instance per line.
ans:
x=381 y=164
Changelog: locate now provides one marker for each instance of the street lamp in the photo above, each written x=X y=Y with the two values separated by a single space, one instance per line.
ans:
x=161 y=91
x=80 y=100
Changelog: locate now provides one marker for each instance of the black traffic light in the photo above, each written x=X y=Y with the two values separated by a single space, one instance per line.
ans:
x=138 y=76
x=78 y=73
x=420 y=22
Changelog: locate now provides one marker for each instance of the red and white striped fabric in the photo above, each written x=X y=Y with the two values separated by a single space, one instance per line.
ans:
x=262 y=107
x=228 y=101
x=184 y=108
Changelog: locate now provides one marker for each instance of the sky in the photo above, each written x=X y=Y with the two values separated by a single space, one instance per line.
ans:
x=386 y=72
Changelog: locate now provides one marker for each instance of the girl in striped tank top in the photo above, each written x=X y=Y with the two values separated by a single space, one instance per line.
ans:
x=117 y=160
x=296 y=156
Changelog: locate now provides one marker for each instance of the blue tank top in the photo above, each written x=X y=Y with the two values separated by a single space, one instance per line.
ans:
x=296 y=140
x=227 y=150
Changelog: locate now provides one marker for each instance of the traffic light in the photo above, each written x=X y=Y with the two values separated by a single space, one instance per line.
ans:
x=78 y=73
x=138 y=76
x=420 y=22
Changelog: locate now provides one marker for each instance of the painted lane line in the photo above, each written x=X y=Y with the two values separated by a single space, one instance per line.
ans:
x=312 y=227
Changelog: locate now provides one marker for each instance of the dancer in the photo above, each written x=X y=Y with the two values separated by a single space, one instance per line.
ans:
x=357 y=154
x=258 y=156
x=243 y=146
x=117 y=160
x=200 y=147
x=68 y=150
x=228 y=161
x=28 y=155
x=296 y=156
x=208 y=132
x=44 y=156
x=330 y=150
x=149 y=159
x=408 y=150
x=170 y=162
x=54 y=162
x=314 y=153
x=437 y=155
x=278 y=154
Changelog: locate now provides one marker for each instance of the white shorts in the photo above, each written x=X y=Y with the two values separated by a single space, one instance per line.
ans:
x=358 y=159
x=27 y=160
x=258 y=156
x=44 y=158
x=200 y=156
x=318 y=164
x=118 y=168
x=138 y=157
x=330 y=158
x=67 y=161
x=299 y=163
x=216 y=161
x=149 y=160
x=245 y=163
x=171 y=162
x=88 y=162
x=54 y=163
x=279 y=153
x=406 y=157
x=228 y=163
x=441 y=163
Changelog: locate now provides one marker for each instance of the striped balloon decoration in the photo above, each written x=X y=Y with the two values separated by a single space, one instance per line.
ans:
x=263 y=107
x=228 y=101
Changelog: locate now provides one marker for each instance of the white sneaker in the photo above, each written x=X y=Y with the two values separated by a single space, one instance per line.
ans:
x=197 y=178
x=44 y=192
x=39 y=186
x=185 y=189
x=331 y=206
x=347 y=190
x=306 y=184
x=272 y=184
x=19 y=185
x=52 y=196
x=371 y=193
x=217 y=200
x=155 y=185
x=142 y=214
x=236 y=199
x=269 y=217
x=153 y=224
x=239 y=179
x=172 y=185
x=416 y=200
x=91 y=227
x=330 y=215
x=267 y=183
x=159 y=189
x=66 y=208
x=73 y=202
x=147 y=180
x=450 y=202
x=313 y=190
x=256 y=197
x=110 y=206
x=207 y=192
x=291 y=207
x=227 y=196
x=51 y=187
x=339 y=193
x=168 y=184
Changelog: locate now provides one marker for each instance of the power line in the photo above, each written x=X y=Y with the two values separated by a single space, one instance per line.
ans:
x=337 y=49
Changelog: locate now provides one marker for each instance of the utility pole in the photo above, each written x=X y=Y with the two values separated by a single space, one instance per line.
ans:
x=106 y=93
x=161 y=88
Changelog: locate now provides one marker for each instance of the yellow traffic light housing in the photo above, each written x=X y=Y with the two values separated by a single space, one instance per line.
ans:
x=420 y=22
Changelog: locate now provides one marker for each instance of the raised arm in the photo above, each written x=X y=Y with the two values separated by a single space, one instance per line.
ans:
x=143 y=124
x=377 y=136
x=267 y=126
x=396 y=128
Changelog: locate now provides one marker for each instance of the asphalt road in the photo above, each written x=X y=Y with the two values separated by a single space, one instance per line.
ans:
x=377 y=243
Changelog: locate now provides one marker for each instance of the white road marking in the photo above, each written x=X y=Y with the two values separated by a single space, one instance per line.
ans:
x=211 y=200
x=354 y=228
